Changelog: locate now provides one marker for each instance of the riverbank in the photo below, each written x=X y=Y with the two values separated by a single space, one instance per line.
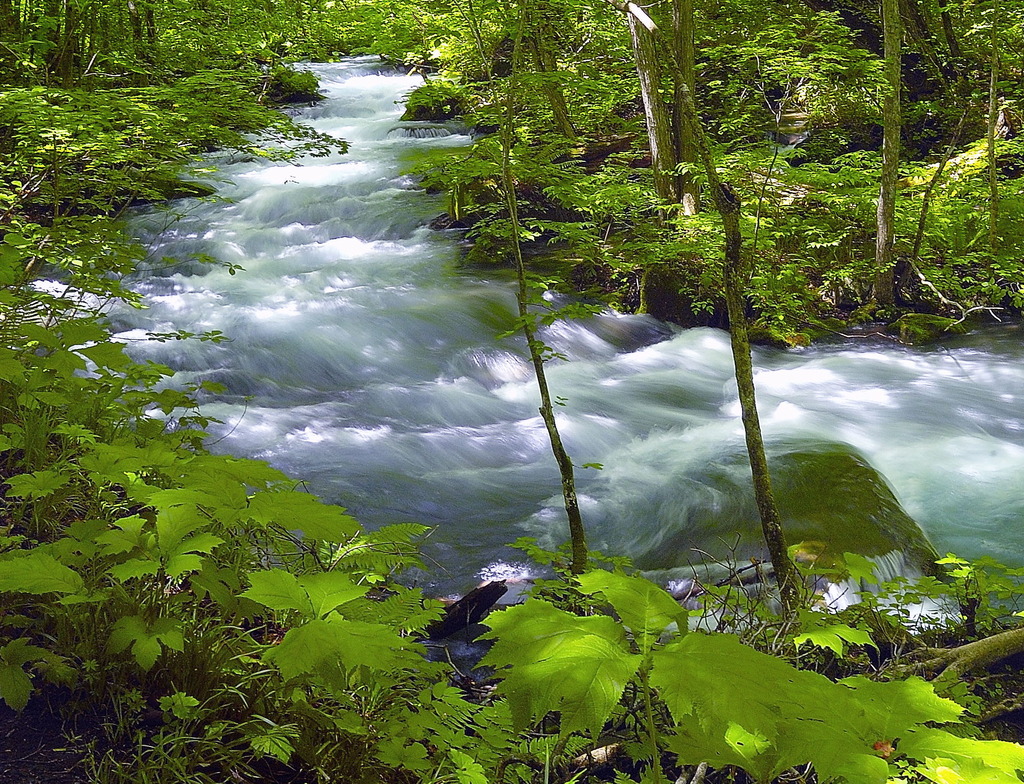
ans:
x=590 y=211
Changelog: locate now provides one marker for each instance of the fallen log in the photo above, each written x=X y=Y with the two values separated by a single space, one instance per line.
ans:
x=467 y=610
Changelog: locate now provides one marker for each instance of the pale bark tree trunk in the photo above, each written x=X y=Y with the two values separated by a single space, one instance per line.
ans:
x=659 y=128
x=737 y=274
x=884 y=289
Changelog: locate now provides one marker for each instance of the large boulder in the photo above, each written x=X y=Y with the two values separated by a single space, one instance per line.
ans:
x=672 y=508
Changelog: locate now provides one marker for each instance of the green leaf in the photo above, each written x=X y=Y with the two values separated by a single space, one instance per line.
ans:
x=330 y=649
x=107 y=355
x=180 y=705
x=860 y=568
x=891 y=708
x=559 y=661
x=15 y=686
x=178 y=565
x=834 y=637
x=15 y=683
x=127 y=535
x=925 y=743
x=38 y=484
x=467 y=770
x=747 y=744
x=708 y=682
x=645 y=608
x=535 y=630
x=303 y=512
x=279 y=590
x=274 y=742
x=329 y=590
x=145 y=640
x=134 y=568
x=38 y=573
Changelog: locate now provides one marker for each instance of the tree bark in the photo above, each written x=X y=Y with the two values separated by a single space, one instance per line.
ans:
x=9 y=21
x=884 y=288
x=685 y=52
x=949 y=33
x=643 y=32
x=993 y=119
x=659 y=129
x=541 y=43
x=737 y=273
x=577 y=532
x=977 y=655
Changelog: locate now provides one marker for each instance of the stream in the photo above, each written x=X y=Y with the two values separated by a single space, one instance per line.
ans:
x=367 y=361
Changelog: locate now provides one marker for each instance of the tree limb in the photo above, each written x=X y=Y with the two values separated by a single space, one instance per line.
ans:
x=955 y=662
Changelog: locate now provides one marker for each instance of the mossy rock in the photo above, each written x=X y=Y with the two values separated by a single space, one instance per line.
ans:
x=671 y=292
x=835 y=497
x=435 y=101
x=693 y=507
x=287 y=85
x=917 y=329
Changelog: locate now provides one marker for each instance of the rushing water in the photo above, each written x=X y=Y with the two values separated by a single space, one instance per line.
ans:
x=365 y=360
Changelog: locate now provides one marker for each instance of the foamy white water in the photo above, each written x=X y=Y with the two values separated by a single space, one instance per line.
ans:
x=364 y=360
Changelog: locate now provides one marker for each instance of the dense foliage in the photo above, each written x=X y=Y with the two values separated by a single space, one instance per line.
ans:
x=212 y=622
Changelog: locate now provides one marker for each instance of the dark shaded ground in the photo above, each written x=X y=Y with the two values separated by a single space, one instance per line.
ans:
x=35 y=750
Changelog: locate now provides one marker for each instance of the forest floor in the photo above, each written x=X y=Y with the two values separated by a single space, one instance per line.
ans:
x=34 y=748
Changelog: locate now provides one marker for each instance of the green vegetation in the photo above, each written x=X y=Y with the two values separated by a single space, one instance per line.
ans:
x=203 y=619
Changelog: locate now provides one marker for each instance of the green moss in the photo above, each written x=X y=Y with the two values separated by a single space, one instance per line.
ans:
x=920 y=328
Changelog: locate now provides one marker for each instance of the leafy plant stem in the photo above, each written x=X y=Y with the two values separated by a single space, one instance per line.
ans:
x=652 y=730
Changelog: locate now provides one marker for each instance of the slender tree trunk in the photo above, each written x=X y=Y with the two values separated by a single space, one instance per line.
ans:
x=685 y=72
x=9 y=22
x=949 y=32
x=541 y=43
x=149 y=16
x=926 y=199
x=884 y=289
x=737 y=274
x=577 y=533
x=138 y=43
x=993 y=119
x=474 y=26
x=659 y=129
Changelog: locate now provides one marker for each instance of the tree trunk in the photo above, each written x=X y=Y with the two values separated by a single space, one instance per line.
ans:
x=150 y=20
x=976 y=655
x=884 y=289
x=541 y=43
x=685 y=72
x=949 y=33
x=577 y=533
x=737 y=274
x=659 y=129
x=643 y=31
x=9 y=22
x=993 y=119
x=469 y=16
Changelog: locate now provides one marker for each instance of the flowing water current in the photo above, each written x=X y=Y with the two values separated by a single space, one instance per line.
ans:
x=364 y=359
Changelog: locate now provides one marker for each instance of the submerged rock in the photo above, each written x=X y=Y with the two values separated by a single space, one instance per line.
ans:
x=688 y=510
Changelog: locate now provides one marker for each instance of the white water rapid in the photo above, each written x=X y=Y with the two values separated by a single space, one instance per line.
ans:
x=366 y=361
